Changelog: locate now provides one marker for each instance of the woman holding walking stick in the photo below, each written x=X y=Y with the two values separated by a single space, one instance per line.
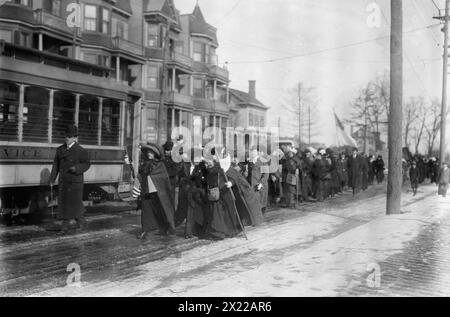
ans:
x=221 y=219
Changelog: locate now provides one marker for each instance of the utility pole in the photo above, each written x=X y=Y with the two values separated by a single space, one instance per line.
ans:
x=299 y=114
x=394 y=188
x=309 y=124
x=365 y=128
x=442 y=148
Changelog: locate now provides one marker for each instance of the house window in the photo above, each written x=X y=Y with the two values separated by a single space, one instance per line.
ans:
x=22 y=39
x=56 y=7
x=106 y=20
x=5 y=35
x=199 y=90
x=90 y=18
x=122 y=30
x=28 y=3
x=153 y=35
x=199 y=52
x=152 y=77
x=103 y=60
x=90 y=58
x=262 y=121
x=250 y=119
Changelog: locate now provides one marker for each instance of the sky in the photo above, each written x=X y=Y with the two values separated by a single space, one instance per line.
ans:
x=326 y=44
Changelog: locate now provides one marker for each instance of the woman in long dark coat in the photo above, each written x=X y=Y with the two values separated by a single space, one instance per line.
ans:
x=153 y=185
x=247 y=201
x=364 y=172
x=197 y=206
x=221 y=221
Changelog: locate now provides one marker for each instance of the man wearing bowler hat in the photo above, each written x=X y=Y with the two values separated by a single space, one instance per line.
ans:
x=70 y=163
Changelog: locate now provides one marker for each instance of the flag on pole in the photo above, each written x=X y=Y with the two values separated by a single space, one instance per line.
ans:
x=342 y=137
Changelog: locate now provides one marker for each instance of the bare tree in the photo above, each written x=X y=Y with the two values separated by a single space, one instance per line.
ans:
x=371 y=106
x=422 y=118
x=410 y=115
x=300 y=104
x=434 y=124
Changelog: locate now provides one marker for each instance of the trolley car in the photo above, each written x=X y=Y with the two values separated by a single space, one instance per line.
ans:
x=37 y=102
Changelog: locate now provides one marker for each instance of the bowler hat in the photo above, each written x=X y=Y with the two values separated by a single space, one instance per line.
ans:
x=71 y=131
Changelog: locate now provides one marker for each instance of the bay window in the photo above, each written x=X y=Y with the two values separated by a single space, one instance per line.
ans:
x=153 y=36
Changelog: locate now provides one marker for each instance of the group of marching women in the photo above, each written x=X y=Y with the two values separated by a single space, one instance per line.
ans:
x=216 y=201
x=313 y=176
x=212 y=201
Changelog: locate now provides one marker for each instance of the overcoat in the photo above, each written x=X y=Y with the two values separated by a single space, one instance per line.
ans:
x=354 y=172
x=258 y=173
x=247 y=201
x=70 y=184
x=221 y=218
x=159 y=211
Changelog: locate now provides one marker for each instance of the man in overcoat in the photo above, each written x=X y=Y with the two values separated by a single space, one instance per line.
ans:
x=354 y=171
x=70 y=163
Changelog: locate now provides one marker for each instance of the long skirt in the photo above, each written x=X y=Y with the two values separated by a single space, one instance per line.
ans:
x=220 y=222
x=152 y=215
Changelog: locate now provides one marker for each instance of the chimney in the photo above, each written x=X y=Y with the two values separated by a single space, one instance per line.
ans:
x=252 y=88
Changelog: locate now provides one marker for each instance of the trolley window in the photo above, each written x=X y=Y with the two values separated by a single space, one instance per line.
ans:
x=88 y=120
x=63 y=114
x=9 y=105
x=111 y=122
x=35 y=115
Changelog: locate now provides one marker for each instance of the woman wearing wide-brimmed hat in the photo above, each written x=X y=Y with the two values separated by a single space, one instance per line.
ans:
x=153 y=185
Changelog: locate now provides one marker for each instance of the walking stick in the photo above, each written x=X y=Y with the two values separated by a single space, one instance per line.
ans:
x=234 y=204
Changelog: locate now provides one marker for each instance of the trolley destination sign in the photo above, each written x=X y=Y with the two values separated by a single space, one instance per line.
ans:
x=27 y=154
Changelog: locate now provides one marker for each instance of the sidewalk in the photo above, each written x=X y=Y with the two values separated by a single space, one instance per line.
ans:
x=325 y=250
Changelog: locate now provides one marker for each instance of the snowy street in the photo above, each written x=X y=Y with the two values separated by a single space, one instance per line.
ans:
x=345 y=246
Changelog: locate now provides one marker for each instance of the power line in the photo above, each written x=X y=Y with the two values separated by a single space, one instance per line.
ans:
x=437 y=7
x=411 y=65
x=416 y=6
x=229 y=12
x=327 y=49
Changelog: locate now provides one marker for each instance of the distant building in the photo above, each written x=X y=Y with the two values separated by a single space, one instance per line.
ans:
x=249 y=114
x=368 y=140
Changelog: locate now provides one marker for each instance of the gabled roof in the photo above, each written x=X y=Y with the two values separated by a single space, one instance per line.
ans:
x=245 y=98
x=124 y=5
x=166 y=7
